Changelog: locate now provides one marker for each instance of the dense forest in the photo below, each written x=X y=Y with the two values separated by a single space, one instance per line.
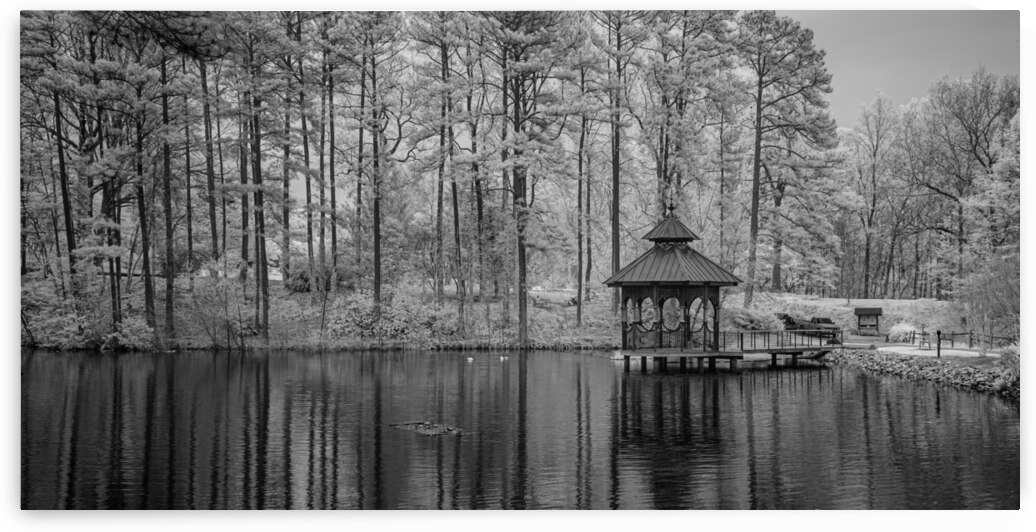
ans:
x=235 y=171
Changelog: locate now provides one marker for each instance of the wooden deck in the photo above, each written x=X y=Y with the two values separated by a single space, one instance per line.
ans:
x=785 y=347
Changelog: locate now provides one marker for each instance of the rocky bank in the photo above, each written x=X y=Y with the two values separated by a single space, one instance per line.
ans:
x=994 y=379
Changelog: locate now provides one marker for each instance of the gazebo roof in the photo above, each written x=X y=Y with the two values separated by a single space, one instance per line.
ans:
x=671 y=229
x=671 y=260
x=672 y=264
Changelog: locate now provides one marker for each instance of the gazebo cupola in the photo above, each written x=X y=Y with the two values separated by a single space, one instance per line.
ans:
x=670 y=294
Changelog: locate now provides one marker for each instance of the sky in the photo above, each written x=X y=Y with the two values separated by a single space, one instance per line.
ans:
x=903 y=52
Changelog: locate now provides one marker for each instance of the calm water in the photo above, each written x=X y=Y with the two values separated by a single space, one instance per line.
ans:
x=545 y=430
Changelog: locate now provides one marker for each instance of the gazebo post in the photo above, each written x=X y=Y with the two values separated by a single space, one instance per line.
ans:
x=658 y=315
x=624 y=317
x=685 y=327
x=715 y=318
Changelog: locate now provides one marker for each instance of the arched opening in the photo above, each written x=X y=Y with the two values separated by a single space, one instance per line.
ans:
x=648 y=313
x=695 y=315
x=709 y=323
x=709 y=314
x=672 y=313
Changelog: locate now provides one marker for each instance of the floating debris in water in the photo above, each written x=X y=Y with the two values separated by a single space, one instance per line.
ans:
x=427 y=428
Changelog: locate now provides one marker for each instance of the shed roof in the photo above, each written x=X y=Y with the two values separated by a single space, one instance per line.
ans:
x=674 y=263
x=867 y=311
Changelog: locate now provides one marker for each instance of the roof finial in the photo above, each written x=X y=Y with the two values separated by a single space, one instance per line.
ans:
x=672 y=210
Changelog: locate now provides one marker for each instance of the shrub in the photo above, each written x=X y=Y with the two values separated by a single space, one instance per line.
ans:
x=219 y=305
x=1010 y=360
x=900 y=332
x=298 y=280
x=132 y=333
x=405 y=319
x=749 y=319
x=61 y=330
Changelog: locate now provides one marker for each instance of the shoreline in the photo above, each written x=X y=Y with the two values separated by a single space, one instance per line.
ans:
x=994 y=379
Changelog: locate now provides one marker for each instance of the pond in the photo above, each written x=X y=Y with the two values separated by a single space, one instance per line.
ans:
x=540 y=430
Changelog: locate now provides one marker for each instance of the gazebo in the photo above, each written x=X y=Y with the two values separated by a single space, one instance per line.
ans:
x=670 y=294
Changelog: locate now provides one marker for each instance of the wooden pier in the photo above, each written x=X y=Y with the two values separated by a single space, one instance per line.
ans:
x=783 y=348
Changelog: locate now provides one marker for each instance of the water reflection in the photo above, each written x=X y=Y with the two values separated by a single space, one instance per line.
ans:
x=545 y=430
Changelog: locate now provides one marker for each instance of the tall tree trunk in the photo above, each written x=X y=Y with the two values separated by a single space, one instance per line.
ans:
x=260 y=219
x=286 y=195
x=305 y=156
x=888 y=265
x=376 y=184
x=23 y=224
x=778 y=244
x=116 y=239
x=616 y=132
x=358 y=236
x=309 y=188
x=244 y=128
x=589 y=238
x=210 y=174
x=57 y=234
x=753 y=232
x=322 y=252
x=331 y=173
x=476 y=174
x=723 y=193
x=505 y=307
x=917 y=265
x=187 y=179
x=222 y=178
x=867 y=263
x=66 y=200
x=521 y=216
x=145 y=235
x=167 y=207
x=439 y=267
x=579 y=211
x=458 y=263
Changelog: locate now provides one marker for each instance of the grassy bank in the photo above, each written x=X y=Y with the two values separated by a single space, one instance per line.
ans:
x=220 y=313
x=987 y=375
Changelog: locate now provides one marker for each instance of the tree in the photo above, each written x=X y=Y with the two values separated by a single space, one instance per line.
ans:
x=871 y=142
x=527 y=41
x=623 y=34
x=788 y=81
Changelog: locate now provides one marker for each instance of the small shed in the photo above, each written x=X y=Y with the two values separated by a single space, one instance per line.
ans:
x=867 y=320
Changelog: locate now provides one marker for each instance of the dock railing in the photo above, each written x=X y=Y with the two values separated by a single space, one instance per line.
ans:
x=658 y=336
x=783 y=340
